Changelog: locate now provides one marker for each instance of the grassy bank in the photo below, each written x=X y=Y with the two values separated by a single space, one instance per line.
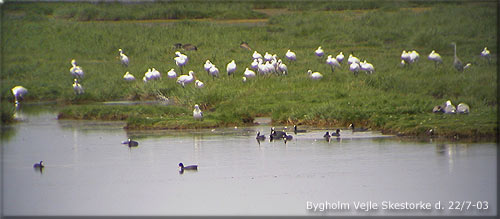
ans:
x=37 y=53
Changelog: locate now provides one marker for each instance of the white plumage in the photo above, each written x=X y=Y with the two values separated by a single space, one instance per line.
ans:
x=352 y=59
x=282 y=67
x=463 y=108
x=340 y=57
x=249 y=73
x=128 y=76
x=291 y=56
x=434 y=56
x=315 y=75
x=77 y=87
x=123 y=58
x=256 y=55
x=319 y=52
x=354 y=67
x=76 y=70
x=366 y=67
x=186 y=79
x=332 y=62
x=231 y=68
x=172 y=73
x=449 y=108
x=207 y=65
x=268 y=57
x=214 y=71
x=19 y=92
x=199 y=84
x=197 y=113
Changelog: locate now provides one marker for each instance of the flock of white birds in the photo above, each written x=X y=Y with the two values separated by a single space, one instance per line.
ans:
x=263 y=65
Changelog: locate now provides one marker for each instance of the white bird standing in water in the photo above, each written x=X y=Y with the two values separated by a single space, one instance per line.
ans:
x=319 y=52
x=199 y=84
x=340 y=57
x=123 y=58
x=291 y=56
x=128 y=76
x=197 y=113
x=231 y=68
x=172 y=73
x=18 y=92
x=434 y=56
x=486 y=54
x=77 y=87
x=332 y=62
x=185 y=79
x=315 y=75
x=76 y=70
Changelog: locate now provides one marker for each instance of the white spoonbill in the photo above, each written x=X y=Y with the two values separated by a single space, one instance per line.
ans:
x=76 y=70
x=197 y=113
x=354 y=67
x=319 y=52
x=352 y=59
x=282 y=68
x=486 y=54
x=185 y=79
x=208 y=64
x=315 y=75
x=268 y=57
x=179 y=54
x=123 y=58
x=155 y=74
x=214 y=71
x=414 y=56
x=434 y=56
x=180 y=61
x=128 y=77
x=256 y=55
x=449 y=108
x=291 y=56
x=366 y=67
x=231 y=68
x=405 y=56
x=255 y=64
x=463 y=108
x=332 y=62
x=19 y=92
x=340 y=57
x=172 y=73
x=249 y=73
x=77 y=87
x=199 y=84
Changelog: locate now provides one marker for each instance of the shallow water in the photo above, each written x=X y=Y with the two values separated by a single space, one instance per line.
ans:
x=89 y=172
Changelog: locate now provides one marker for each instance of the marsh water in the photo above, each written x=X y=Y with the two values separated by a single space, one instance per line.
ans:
x=89 y=172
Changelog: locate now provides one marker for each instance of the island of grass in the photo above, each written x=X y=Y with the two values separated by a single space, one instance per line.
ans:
x=40 y=39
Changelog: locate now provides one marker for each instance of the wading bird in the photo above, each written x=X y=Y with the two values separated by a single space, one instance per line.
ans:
x=199 y=84
x=354 y=68
x=414 y=56
x=463 y=108
x=434 y=56
x=282 y=68
x=340 y=57
x=77 y=87
x=128 y=77
x=268 y=57
x=255 y=64
x=456 y=61
x=207 y=66
x=449 y=108
x=336 y=134
x=352 y=59
x=354 y=129
x=172 y=73
x=185 y=79
x=256 y=55
x=315 y=75
x=249 y=73
x=296 y=130
x=197 y=113
x=260 y=137
x=231 y=68
x=38 y=165
x=180 y=61
x=332 y=62
x=214 y=71
x=123 y=58
x=18 y=92
x=291 y=56
x=366 y=67
x=319 y=52
x=190 y=167
x=486 y=54
x=76 y=70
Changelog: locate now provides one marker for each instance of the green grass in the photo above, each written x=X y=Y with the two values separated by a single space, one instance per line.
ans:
x=37 y=54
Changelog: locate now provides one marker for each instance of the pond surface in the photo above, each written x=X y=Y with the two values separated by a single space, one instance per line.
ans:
x=89 y=172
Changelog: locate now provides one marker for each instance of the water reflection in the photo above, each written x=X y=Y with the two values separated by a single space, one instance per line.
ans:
x=452 y=152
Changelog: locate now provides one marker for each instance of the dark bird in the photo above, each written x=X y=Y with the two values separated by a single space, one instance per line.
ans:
x=351 y=126
x=336 y=134
x=178 y=45
x=190 y=167
x=131 y=143
x=260 y=137
x=245 y=45
x=189 y=47
x=38 y=165
x=456 y=61
x=327 y=136
x=295 y=130
x=438 y=109
x=276 y=134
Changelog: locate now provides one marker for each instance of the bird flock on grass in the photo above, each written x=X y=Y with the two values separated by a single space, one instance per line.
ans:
x=267 y=64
